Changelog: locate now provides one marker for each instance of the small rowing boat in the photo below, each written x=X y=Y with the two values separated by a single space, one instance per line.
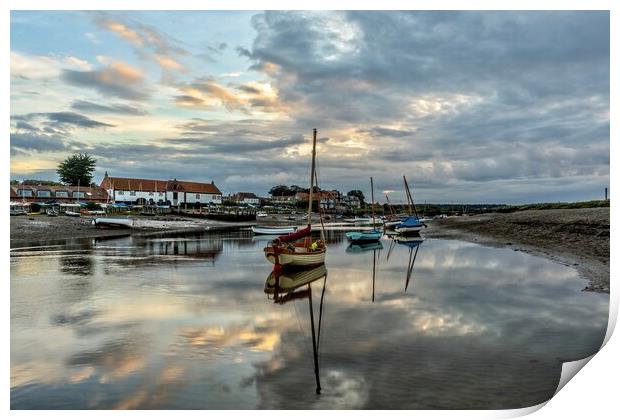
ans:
x=108 y=222
x=273 y=230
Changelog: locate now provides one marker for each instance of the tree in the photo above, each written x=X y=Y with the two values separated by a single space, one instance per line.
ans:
x=358 y=194
x=77 y=169
x=281 y=190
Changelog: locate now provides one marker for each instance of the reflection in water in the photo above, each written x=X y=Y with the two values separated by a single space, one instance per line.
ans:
x=182 y=323
x=285 y=285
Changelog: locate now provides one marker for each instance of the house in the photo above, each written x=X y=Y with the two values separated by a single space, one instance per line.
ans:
x=57 y=193
x=351 y=201
x=246 y=198
x=155 y=191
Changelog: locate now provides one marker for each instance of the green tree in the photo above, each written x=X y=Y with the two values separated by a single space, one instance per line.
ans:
x=359 y=195
x=281 y=190
x=77 y=169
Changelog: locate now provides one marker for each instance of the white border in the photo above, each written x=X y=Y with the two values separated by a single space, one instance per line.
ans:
x=591 y=395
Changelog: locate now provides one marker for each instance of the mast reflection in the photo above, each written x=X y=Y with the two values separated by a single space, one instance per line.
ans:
x=284 y=285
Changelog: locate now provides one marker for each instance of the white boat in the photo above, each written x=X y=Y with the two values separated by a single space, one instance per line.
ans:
x=72 y=213
x=294 y=254
x=50 y=211
x=108 y=222
x=261 y=214
x=18 y=209
x=273 y=230
x=409 y=230
x=298 y=248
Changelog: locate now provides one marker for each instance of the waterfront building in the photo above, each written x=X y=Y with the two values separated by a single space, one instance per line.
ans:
x=154 y=191
x=57 y=193
x=246 y=198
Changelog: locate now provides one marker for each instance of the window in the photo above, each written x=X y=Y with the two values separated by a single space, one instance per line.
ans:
x=161 y=194
x=61 y=194
x=150 y=193
x=24 y=193
x=44 y=194
x=78 y=194
x=120 y=192
x=132 y=193
x=197 y=195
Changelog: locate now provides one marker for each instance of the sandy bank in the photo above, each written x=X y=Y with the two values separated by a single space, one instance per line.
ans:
x=39 y=229
x=576 y=237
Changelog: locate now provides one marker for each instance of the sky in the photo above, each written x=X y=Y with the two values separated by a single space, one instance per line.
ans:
x=472 y=107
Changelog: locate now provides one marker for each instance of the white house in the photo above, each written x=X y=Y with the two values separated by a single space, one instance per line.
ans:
x=153 y=191
x=246 y=198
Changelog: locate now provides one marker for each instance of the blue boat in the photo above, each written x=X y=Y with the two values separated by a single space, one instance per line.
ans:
x=361 y=237
x=367 y=236
x=410 y=225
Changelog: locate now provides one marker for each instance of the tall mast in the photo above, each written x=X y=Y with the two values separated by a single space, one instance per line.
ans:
x=311 y=177
x=372 y=205
x=409 y=198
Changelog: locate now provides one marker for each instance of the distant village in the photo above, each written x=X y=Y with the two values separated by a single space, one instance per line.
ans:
x=187 y=194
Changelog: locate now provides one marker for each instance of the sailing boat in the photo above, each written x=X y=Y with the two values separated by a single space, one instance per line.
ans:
x=291 y=249
x=393 y=219
x=371 y=236
x=286 y=285
x=412 y=224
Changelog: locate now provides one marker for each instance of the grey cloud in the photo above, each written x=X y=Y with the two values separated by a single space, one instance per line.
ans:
x=71 y=118
x=107 y=86
x=530 y=84
x=26 y=142
x=87 y=106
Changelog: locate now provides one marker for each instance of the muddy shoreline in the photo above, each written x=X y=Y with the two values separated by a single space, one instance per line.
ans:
x=574 y=237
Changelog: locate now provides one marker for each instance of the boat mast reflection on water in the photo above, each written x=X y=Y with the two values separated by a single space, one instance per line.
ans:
x=286 y=285
x=364 y=247
x=411 y=243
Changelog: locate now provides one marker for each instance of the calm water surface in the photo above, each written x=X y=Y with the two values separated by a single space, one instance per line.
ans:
x=185 y=323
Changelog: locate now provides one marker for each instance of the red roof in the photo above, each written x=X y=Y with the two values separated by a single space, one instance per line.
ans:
x=141 y=184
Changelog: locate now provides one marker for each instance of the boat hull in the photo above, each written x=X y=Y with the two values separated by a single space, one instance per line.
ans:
x=275 y=230
x=404 y=230
x=361 y=237
x=297 y=257
x=101 y=222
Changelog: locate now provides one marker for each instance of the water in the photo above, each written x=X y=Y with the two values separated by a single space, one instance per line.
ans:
x=185 y=323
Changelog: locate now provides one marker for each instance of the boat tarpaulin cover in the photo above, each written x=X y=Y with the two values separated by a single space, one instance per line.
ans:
x=411 y=221
x=295 y=235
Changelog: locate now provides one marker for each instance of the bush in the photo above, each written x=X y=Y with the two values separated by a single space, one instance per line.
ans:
x=91 y=205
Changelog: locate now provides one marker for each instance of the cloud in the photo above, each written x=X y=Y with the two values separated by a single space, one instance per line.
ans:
x=64 y=119
x=48 y=131
x=87 y=106
x=115 y=79
x=33 y=67
x=245 y=98
x=147 y=41
x=29 y=142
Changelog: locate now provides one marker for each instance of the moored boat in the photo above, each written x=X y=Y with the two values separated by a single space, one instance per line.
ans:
x=368 y=236
x=410 y=225
x=298 y=248
x=108 y=222
x=273 y=230
x=72 y=213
